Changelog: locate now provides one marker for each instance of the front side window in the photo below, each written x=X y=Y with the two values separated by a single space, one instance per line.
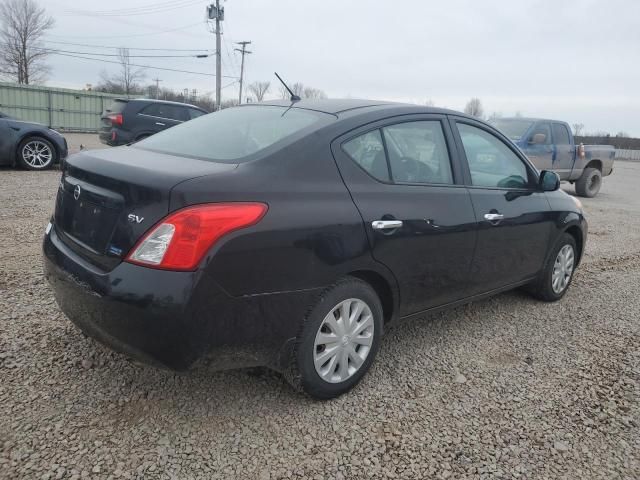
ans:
x=541 y=129
x=368 y=152
x=233 y=133
x=560 y=134
x=194 y=113
x=418 y=153
x=491 y=162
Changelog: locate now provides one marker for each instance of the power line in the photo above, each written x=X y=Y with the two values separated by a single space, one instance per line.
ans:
x=158 y=8
x=140 y=66
x=52 y=50
x=88 y=45
x=160 y=32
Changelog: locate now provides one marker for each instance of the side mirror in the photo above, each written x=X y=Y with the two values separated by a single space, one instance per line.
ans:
x=538 y=139
x=549 y=181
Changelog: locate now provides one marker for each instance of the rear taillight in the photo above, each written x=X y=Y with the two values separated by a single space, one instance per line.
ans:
x=116 y=119
x=181 y=240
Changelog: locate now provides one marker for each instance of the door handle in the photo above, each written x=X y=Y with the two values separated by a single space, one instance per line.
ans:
x=492 y=217
x=161 y=124
x=386 y=224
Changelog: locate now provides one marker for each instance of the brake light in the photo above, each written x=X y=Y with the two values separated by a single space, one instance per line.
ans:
x=181 y=240
x=116 y=119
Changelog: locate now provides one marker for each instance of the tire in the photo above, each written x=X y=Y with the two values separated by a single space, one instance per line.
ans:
x=588 y=185
x=36 y=153
x=543 y=288
x=341 y=371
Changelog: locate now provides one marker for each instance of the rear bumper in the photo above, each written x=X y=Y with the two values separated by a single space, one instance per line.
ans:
x=114 y=137
x=173 y=319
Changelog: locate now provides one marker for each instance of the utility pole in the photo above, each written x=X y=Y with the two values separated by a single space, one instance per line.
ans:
x=243 y=51
x=157 y=80
x=215 y=12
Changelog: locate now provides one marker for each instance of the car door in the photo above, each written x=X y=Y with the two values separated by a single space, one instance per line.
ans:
x=6 y=141
x=565 y=151
x=417 y=214
x=539 y=147
x=513 y=215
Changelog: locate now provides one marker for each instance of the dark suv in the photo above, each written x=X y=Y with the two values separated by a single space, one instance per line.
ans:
x=131 y=120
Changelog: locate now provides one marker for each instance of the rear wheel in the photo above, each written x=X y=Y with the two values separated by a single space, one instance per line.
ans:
x=588 y=185
x=556 y=277
x=36 y=153
x=339 y=340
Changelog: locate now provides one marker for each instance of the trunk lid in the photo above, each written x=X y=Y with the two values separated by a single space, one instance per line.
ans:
x=107 y=199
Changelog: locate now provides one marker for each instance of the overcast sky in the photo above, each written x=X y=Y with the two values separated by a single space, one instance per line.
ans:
x=574 y=60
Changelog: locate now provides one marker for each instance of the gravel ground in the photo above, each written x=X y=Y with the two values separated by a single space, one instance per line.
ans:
x=504 y=388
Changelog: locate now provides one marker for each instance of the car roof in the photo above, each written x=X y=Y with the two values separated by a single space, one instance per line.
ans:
x=153 y=100
x=337 y=106
x=531 y=119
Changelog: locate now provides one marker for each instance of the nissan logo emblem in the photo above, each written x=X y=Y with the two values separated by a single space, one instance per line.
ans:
x=76 y=192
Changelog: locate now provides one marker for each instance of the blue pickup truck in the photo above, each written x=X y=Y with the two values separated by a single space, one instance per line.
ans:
x=549 y=144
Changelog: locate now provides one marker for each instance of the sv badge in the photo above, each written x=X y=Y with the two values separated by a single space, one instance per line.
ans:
x=134 y=218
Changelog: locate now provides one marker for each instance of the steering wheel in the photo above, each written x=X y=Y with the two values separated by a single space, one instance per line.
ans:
x=415 y=171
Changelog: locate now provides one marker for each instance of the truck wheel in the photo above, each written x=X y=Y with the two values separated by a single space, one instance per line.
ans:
x=588 y=185
x=339 y=340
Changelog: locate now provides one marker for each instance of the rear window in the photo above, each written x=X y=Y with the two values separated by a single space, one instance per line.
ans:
x=232 y=134
x=514 y=129
x=117 y=106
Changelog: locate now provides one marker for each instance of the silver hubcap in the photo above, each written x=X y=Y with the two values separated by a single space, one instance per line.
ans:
x=562 y=269
x=343 y=341
x=37 y=154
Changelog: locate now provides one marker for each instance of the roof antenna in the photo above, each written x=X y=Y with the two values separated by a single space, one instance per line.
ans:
x=294 y=97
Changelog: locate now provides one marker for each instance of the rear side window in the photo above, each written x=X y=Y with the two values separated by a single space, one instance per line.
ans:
x=560 y=134
x=418 y=153
x=117 y=106
x=234 y=133
x=194 y=113
x=491 y=162
x=368 y=152
x=172 y=112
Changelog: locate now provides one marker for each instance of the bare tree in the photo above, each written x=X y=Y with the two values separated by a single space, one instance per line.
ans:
x=297 y=89
x=494 y=116
x=125 y=81
x=518 y=114
x=577 y=128
x=474 y=108
x=259 y=89
x=429 y=102
x=310 y=92
x=22 y=25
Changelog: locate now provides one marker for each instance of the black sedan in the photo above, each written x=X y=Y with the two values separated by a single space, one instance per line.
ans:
x=29 y=145
x=290 y=235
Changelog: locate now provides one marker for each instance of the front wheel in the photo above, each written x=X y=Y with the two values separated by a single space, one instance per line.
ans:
x=339 y=340
x=36 y=153
x=589 y=183
x=557 y=274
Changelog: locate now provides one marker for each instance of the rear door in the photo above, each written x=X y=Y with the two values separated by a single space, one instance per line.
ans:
x=565 y=150
x=418 y=215
x=514 y=218
x=539 y=147
x=160 y=116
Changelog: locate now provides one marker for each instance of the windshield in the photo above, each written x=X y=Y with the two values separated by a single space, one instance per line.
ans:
x=512 y=128
x=232 y=134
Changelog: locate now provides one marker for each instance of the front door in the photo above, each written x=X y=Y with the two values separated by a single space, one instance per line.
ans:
x=514 y=218
x=418 y=215
x=539 y=148
x=565 y=151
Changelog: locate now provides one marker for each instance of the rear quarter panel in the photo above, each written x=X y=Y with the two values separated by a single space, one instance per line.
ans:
x=311 y=235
